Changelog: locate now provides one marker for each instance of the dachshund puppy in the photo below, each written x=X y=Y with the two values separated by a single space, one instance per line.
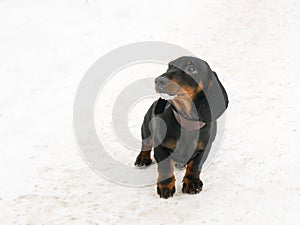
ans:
x=181 y=125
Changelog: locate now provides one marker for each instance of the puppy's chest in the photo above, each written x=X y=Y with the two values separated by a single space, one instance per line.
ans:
x=183 y=142
x=183 y=146
x=169 y=134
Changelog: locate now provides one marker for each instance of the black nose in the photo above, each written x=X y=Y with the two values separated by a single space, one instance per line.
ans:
x=161 y=82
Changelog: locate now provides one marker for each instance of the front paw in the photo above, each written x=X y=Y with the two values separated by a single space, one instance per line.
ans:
x=143 y=160
x=192 y=185
x=166 y=188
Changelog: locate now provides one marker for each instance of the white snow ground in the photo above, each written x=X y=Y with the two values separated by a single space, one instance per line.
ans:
x=46 y=47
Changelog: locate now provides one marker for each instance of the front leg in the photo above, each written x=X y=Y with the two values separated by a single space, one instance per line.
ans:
x=191 y=180
x=165 y=167
x=144 y=158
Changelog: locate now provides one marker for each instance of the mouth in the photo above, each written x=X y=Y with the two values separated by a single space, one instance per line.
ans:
x=167 y=96
x=171 y=93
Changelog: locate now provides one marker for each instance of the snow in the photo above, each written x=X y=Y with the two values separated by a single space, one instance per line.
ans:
x=47 y=46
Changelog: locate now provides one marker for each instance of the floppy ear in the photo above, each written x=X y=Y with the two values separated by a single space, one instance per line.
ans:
x=160 y=106
x=215 y=101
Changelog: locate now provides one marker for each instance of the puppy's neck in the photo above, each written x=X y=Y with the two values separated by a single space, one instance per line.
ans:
x=187 y=123
x=187 y=107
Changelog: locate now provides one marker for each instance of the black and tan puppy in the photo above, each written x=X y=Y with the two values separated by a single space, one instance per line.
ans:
x=181 y=125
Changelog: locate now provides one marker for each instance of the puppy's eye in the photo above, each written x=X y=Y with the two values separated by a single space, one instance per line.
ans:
x=191 y=69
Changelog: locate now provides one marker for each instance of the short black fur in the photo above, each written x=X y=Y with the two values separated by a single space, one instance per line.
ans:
x=194 y=83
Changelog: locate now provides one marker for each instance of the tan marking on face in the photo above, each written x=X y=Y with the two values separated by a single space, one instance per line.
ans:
x=191 y=92
x=172 y=87
x=185 y=93
x=199 y=88
x=188 y=90
x=188 y=62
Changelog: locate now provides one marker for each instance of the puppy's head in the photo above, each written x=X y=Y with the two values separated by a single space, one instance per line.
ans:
x=184 y=78
x=193 y=89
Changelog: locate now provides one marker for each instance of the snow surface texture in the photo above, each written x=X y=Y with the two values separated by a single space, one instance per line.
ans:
x=47 y=46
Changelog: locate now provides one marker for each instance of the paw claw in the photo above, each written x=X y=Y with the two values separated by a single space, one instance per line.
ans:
x=142 y=161
x=166 y=189
x=165 y=192
x=192 y=186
